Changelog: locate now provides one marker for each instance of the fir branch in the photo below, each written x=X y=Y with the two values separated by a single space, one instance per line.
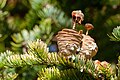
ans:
x=68 y=74
x=79 y=71
x=58 y=17
x=8 y=74
x=30 y=19
x=10 y=59
x=17 y=60
x=2 y=3
x=3 y=56
x=42 y=31
x=37 y=53
x=115 y=34
x=49 y=74
x=44 y=9
x=39 y=49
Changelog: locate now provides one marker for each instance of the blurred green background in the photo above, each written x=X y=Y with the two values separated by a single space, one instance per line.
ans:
x=24 y=20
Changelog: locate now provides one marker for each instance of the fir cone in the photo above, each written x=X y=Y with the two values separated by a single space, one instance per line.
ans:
x=77 y=17
x=89 y=47
x=69 y=42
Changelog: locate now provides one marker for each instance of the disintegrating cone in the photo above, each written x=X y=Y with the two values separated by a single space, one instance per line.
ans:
x=69 y=42
x=88 y=27
x=88 y=47
x=77 y=17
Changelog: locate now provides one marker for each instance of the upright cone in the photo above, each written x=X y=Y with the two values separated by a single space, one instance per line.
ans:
x=71 y=42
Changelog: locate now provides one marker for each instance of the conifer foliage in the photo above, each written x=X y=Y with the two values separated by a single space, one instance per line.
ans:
x=57 y=67
x=28 y=57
